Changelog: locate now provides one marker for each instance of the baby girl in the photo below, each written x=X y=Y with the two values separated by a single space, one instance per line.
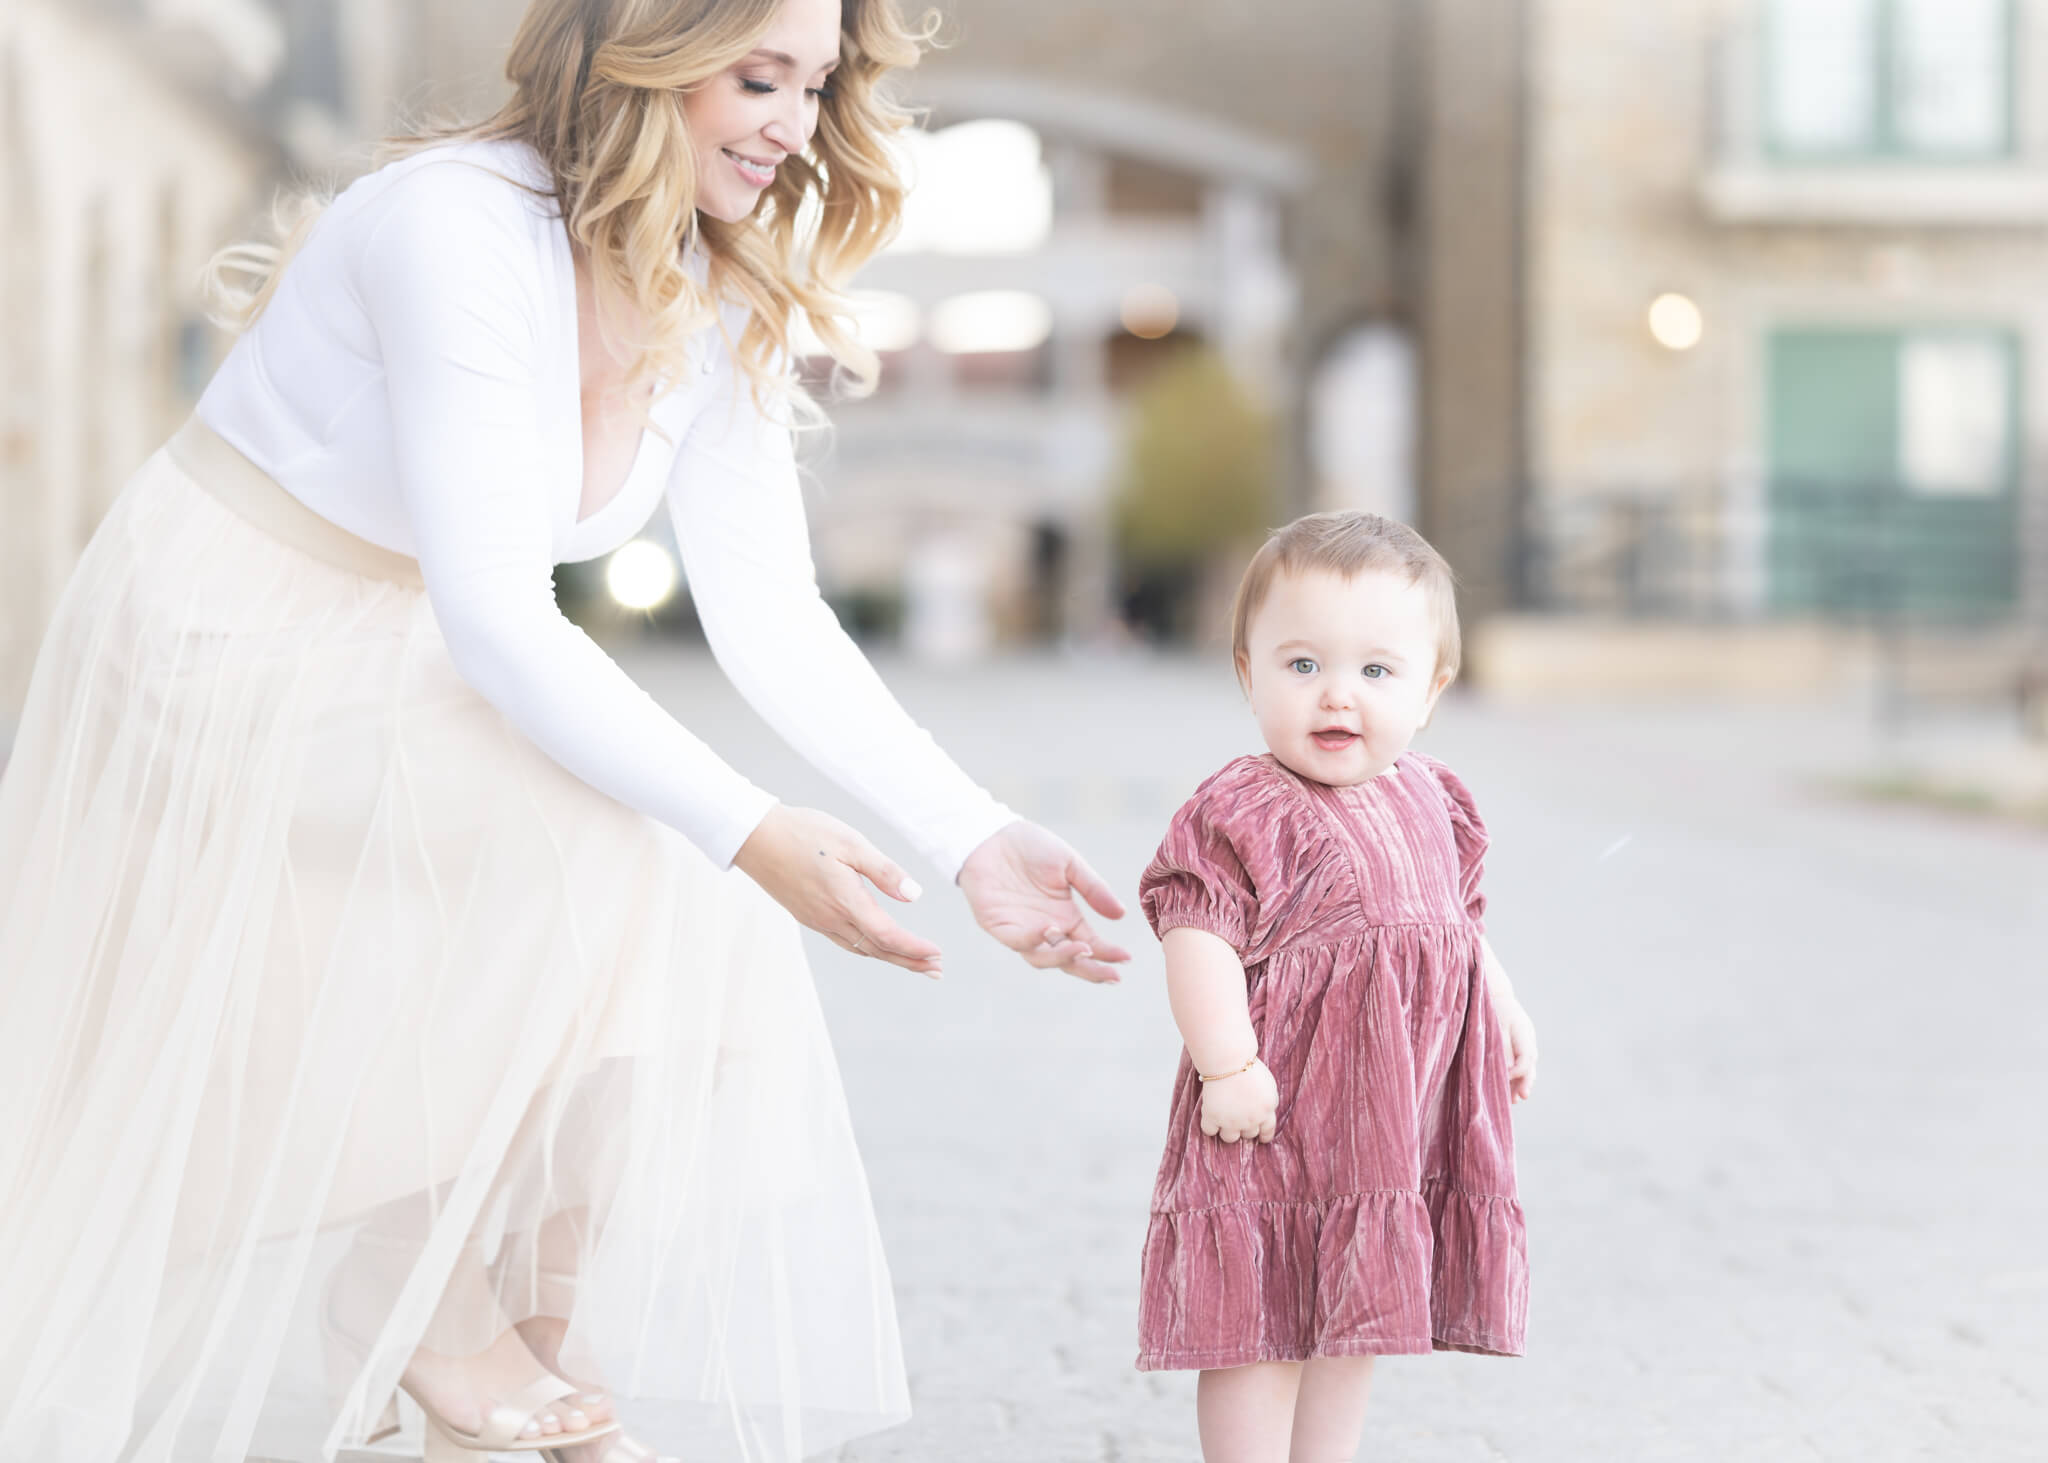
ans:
x=1339 y=1178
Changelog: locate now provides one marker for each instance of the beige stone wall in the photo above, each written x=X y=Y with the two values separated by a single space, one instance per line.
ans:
x=1625 y=102
x=1470 y=279
x=1620 y=102
x=117 y=186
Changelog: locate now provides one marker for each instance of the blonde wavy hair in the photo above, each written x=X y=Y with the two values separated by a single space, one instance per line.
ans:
x=598 y=87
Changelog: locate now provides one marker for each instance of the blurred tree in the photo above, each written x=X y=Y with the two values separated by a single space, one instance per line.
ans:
x=1198 y=491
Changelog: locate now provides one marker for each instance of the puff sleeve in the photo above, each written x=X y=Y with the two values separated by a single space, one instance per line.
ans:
x=1203 y=876
x=1469 y=833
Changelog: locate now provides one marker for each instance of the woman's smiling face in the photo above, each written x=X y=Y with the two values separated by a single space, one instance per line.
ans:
x=1342 y=672
x=754 y=114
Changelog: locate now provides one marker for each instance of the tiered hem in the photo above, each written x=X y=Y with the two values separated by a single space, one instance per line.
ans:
x=1392 y=1272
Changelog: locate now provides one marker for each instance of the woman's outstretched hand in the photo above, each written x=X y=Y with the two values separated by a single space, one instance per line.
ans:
x=812 y=864
x=1021 y=884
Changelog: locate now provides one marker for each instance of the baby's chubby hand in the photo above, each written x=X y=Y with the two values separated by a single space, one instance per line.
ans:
x=1244 y=1105
x=1521 y=1035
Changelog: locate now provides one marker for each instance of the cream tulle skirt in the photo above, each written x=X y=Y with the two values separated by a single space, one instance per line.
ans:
x=339 y=1021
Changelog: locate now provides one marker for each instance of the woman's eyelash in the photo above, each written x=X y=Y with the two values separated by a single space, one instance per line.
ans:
x=768 y=88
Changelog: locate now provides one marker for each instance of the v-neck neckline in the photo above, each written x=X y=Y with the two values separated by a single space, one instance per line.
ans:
x=625 y=484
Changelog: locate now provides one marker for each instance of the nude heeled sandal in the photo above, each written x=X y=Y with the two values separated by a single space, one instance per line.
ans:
x=556 y=1291
x=620 y=1449
x=504 y=1425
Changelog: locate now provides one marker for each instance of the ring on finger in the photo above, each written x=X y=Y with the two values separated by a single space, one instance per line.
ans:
x=858 y=941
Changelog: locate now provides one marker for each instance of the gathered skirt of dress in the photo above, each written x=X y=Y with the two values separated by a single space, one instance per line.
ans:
x=342 y=1022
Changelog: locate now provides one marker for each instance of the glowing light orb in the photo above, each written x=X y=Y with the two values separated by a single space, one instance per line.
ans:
x=1150 y=311
x=641 y=575
x=1676 y=322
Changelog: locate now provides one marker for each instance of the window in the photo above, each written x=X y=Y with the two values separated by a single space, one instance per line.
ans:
x=1894 y=470
x=1927 y=80
x=1955 y=416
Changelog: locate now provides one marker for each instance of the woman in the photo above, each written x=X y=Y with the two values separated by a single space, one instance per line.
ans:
x=400 y=998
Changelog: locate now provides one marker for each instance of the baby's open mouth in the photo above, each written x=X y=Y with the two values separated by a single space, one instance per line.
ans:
x=1333 y=738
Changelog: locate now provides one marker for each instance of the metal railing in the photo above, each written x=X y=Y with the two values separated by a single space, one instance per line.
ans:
x=1937 y=581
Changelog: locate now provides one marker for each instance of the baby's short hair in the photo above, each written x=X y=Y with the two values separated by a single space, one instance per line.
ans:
x=1348 y=544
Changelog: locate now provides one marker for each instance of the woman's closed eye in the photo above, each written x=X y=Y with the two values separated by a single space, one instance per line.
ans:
x=769 y=88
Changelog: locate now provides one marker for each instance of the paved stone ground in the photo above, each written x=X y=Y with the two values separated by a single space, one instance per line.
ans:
x=1785 y=1173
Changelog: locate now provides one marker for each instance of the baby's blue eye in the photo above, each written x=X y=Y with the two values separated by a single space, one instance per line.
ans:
x=1377 y=672
x=1298 y=663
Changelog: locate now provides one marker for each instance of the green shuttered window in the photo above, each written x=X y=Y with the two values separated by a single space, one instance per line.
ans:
x=1894 y=470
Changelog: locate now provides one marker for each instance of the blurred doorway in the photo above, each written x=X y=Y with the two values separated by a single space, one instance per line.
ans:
x=1362 y=416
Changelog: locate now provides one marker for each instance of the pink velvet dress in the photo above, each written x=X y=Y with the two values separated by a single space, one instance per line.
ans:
x=1382 y=1219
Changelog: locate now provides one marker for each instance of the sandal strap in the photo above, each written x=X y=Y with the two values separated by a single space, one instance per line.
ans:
x=509 y=1415
x=618 y=1449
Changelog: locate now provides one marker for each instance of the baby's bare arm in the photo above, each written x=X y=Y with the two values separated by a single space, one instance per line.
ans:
x=1496 y=974
x=1205 y=986
x=1520 y=1030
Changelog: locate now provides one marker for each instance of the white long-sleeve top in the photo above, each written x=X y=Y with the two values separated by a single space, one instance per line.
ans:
x=415 y=381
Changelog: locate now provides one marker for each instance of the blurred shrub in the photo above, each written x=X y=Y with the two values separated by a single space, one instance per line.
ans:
x=1198 y=488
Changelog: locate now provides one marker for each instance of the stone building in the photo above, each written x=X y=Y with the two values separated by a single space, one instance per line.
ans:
x=1369 y=151
x=118 y=180
x=1392 y=200
x=1788 y=309
x=136 y=138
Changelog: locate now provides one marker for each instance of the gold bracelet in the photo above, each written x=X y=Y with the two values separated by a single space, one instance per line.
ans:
x=1220 y=1076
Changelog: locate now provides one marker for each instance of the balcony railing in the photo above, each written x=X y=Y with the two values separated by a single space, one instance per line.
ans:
x=1841 y=550
x=1954 y=602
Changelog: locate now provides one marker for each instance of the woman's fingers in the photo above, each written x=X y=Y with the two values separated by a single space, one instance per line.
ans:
x=880 y=870
x=1084 y=933
x=1073 y=956
x=872 y=932
x=1092 y=959
x=1076 y=951
x=1090 y=886
x=1088 y=968
x=875 y=934
x=1050 y=954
